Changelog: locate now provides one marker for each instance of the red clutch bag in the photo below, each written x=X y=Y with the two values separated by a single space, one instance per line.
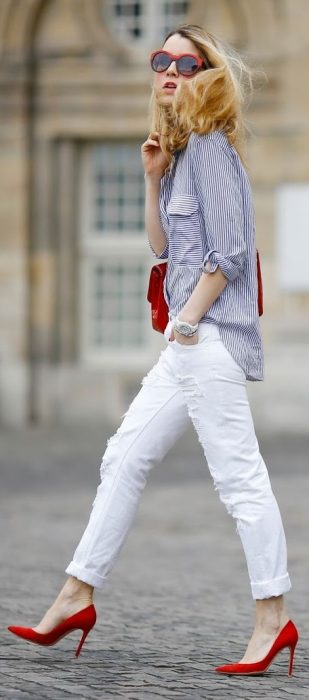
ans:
x=260 y=284
x=159 y=308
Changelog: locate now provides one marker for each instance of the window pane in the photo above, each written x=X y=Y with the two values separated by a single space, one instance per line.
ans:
x=173 y=12
x=117 y=305
x=143 y=21
x=116 y=189
x=125 y=16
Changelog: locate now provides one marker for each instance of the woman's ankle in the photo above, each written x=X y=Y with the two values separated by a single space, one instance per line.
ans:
x=271 y=614
x=74 y=589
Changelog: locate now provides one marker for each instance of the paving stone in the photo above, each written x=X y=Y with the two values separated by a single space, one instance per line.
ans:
x=177 y=602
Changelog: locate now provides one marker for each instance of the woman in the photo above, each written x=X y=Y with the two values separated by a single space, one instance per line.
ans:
x=199 y=214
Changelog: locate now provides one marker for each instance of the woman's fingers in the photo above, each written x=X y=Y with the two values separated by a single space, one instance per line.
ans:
x=150 y=142
x=153 y=137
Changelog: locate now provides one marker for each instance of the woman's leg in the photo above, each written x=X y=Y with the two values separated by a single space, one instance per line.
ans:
x=214 y=388
x=270 y=618
x=155 y=419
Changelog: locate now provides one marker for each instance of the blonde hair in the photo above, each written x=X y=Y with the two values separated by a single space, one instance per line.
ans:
x=213 y=99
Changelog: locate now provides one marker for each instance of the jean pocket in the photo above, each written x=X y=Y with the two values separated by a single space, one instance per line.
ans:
x=228 y=358
x=200 y=340
x=168 y=330
x=187 y=345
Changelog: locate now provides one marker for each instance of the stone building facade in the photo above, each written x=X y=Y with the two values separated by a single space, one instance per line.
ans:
x=75 y=86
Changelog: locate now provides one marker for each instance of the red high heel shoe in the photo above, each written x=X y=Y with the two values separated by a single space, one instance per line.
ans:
x=82 y=620
x=288 y=637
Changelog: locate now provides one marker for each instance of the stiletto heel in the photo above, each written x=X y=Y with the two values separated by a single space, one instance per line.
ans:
x=84 y=620
x=84 y=635
x=288 y=637
x=292 y=650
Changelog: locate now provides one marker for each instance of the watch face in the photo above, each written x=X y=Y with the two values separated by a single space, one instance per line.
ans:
x=183 y=328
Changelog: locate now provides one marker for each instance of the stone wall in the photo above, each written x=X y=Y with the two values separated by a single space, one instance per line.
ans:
x=66 y=80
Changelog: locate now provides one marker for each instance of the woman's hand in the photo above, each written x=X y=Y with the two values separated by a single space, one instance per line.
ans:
x=184 y=339
x=154 y=160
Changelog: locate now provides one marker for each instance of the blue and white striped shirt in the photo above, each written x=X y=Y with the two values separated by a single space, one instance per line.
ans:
x=207 y=213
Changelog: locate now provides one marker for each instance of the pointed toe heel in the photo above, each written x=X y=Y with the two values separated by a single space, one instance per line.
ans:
x=84 y=620
x=287 y=638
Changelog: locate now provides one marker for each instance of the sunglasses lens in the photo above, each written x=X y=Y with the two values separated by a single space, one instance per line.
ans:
x=188 y=65
x=160 y=62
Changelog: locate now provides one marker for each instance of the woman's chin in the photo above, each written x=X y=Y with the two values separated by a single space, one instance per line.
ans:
x=165 y=99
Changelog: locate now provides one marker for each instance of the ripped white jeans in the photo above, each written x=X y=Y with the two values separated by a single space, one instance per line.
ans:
x=204 y=384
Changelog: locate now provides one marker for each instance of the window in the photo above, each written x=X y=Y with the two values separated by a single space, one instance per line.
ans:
x=116 y=303
x=115 y=256
x=117 y=192
x=292 y=240
x=145 y=22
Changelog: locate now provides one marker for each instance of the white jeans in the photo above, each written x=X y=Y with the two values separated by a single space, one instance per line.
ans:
x=201 y=382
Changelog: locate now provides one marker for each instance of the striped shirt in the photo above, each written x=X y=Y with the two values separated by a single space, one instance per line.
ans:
x=207 y=213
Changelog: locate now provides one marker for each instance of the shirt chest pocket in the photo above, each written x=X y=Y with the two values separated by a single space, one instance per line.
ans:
x=185 y=242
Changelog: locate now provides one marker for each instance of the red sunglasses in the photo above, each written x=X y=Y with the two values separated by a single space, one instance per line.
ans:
x=186 y=63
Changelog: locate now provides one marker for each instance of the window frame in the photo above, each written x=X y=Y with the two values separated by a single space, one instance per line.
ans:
x=133 y=248
x=152 y=30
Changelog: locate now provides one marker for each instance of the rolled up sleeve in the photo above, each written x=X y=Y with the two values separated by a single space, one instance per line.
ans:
x=221 y=201
x=230 y=268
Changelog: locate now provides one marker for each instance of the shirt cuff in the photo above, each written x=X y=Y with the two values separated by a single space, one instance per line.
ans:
x=230 y=269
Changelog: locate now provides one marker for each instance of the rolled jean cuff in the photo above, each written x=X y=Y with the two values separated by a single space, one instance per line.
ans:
x=275 y=587
x=86 y=576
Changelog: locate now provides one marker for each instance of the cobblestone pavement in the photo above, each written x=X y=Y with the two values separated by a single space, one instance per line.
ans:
x=177 y=602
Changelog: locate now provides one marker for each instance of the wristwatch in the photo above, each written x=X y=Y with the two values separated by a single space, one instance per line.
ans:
x=184 y=328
